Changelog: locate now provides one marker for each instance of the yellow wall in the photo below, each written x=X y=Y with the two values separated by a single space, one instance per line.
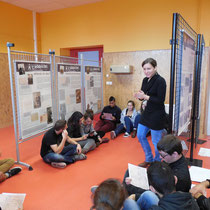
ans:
x=205 y=20
x=119 y=25
x=16 y=25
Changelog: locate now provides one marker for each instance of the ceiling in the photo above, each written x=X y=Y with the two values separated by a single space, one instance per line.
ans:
x=48 y=5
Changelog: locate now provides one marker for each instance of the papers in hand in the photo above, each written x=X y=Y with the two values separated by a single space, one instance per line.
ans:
x=12 y=201
x=198 y=174
x=138 y=176
x=108 y=116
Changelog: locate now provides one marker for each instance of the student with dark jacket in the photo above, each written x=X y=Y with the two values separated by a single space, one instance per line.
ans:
x=162 y=182
x=109 y=117
x=170 y=150
x=153 y=118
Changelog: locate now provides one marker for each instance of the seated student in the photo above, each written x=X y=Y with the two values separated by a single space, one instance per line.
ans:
x=170 y=149
x=109 y=117
x=198 y=192
x=53 y=149
x=111 y=195
x=129 y=121
x=74 y=131
x=163 y=194
x=86 y=128
x=5 y=171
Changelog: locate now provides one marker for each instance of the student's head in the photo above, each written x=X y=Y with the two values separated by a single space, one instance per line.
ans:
x=170 y=148
x=111 y=101
x=150 y=67
x=130 y=105
x=109 y=195
x=60 y=125
x=75 y=119
x=161 y=178
x=88 y=117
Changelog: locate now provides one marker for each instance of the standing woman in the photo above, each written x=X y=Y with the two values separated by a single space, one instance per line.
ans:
x=152 y=95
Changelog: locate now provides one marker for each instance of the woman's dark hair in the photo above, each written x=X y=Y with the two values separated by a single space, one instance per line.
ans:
x=130 y=101
x=74 y=119
x=109 y=195
x=151 y=61
x=161 y=177
x=88 y=114
x=170 y=144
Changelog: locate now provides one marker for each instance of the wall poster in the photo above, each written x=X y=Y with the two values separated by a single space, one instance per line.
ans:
x=34 y=97
x=93 y=88
x=69 y=89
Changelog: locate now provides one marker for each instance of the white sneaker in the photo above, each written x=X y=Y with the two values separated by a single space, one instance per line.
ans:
x=126 y=134
x=58 y=164
x=112 y=135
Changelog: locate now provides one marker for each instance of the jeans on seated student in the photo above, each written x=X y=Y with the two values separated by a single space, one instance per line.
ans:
x=129 y=121
x=66 y=156
x=129 y=126
x=147 y=199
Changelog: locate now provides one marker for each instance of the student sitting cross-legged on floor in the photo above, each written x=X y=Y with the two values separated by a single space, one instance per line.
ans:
x=163 y=194
x=129 y=121
x=109 y=117
x=53 y=149
x=86 y=129
x=74 y=131
x=170 y=150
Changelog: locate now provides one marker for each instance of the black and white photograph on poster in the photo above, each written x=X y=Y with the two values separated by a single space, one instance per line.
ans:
x=69 y=88
x=33 y=87
x=78 y=96
x=91 y=81
x=49 y=115
x=184 y=101
x=93 y=87
x=37 y=100
x=30 y=79
x=21 y=69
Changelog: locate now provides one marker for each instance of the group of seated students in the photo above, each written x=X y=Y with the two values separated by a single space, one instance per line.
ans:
x=169 y=185
x=169 y=180
x=69 y=141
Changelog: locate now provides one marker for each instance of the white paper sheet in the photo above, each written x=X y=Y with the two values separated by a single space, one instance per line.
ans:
x=199 y=174
x=204 y=152
x=138 y=176
x=12 y=201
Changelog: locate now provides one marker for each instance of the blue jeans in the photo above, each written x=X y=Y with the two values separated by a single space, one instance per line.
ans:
x=147 y=199
x=156 y=136
x=67 y=155
x=129 y=126
x=130 y=204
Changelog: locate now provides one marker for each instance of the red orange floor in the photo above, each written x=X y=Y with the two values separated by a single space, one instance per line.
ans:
x=69 y=188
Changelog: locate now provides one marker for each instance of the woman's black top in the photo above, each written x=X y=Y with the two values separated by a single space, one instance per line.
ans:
x=154 y=115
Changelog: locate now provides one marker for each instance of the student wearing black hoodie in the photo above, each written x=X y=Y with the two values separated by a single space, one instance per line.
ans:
x=163 y=183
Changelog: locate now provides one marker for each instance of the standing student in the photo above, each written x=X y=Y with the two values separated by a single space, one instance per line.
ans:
x=129 y=121
x=109 y=117
x=152 y=95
